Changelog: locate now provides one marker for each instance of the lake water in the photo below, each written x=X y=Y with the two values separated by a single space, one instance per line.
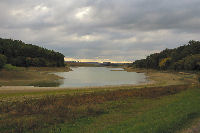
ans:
x=99 y=76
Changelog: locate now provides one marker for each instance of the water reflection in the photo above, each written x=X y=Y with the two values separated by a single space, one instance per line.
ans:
x=99 y=76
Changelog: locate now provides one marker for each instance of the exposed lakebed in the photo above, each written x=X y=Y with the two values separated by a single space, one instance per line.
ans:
x=99 y=76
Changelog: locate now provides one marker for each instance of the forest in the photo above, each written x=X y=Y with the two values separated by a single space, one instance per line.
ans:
x=186 y=57
x=17 y=53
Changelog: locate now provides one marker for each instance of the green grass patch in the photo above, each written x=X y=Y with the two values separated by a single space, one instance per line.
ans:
x=166 y=115
x=10 y=67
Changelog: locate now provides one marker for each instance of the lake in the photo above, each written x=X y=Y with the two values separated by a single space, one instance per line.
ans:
x=99 y=76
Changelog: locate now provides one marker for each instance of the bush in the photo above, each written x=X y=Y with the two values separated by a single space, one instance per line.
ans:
x=3 y=60
x=10 y=67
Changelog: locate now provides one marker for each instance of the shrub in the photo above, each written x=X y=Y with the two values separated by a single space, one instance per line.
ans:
x=10 y=67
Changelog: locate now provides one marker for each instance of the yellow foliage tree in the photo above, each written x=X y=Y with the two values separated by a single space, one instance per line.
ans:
x=164 y=62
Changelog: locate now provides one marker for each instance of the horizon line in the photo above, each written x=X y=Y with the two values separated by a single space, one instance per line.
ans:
x=95 y=60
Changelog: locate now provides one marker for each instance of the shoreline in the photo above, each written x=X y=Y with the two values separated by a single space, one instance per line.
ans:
x=152 y=77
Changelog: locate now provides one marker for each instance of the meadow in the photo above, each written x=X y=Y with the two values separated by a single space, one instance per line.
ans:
x=151 y=109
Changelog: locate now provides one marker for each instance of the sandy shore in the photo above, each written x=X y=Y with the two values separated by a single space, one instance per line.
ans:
x=32 y=88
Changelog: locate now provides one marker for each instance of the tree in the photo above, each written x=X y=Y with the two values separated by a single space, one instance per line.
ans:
x=21 y=54
x=164 y=63
x=186 y=57
x=2 y=60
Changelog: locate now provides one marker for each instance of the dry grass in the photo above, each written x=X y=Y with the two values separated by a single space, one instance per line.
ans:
x=35 y=114
x=29 y=76
x=165 y=78
x=49 y=69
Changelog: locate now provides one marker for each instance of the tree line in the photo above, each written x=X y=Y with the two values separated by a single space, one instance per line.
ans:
x=186 y=57
x=18 y=53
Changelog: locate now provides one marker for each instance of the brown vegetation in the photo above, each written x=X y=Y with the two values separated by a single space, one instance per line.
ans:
x=30 y=76
x=34 y=114
x=51 y=69
x=165 y=78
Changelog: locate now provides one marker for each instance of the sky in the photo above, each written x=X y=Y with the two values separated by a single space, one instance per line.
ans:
x=101 y=30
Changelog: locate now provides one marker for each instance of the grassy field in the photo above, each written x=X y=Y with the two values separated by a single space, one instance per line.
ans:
x=147 y=115
x=154 y=109
x=169 y=104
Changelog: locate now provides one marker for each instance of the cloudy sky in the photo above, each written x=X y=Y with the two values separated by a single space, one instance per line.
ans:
x=117 y=30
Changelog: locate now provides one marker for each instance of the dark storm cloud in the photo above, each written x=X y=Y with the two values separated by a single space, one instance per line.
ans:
x=116 y=29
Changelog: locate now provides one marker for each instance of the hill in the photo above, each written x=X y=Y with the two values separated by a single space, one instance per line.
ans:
x=18 y=53
x=186 y=57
